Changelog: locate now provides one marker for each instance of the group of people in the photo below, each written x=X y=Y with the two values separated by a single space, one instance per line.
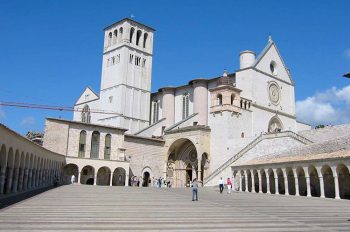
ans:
x=160 y=183
x=194 y=185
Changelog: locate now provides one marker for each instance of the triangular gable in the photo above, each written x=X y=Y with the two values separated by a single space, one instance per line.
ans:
x=87 y=96
x=271 y=53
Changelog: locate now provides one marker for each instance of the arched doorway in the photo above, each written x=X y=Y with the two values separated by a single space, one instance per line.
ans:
x=302 y=181
x=281 y=187
x=263 y=181
x=249 y=178
x=272 y=181
x=256 y=181
x=328 y=181
x=243 y=181
x=68 y=171
x=204 y=166
x=182 y=163
x=103 y=176
x=344 y=181
x=87 y=175
x=146 y=179
x=119 y=177
x=314 y=182
x=291 y=181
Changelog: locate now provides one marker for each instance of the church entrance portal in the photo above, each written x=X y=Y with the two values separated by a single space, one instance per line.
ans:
x=146 y=179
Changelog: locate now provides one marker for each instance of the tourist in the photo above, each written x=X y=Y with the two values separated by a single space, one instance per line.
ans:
x=194 y=189
x=72 y=179
x=229 y=185
x=221 y=184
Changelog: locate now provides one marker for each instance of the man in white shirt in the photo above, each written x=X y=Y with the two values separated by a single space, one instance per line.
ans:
x=221 y=185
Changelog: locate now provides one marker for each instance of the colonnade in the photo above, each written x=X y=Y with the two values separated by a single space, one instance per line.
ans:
x=323 y=180
x=21 y=170
x=87 y=175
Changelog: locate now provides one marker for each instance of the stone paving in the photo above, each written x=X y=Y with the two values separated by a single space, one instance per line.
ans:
x=102 y=208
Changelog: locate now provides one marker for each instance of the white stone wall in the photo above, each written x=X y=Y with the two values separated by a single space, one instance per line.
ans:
x=145 y=153
x=56 y=136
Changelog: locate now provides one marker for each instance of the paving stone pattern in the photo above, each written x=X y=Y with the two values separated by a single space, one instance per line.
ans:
x=103 y=208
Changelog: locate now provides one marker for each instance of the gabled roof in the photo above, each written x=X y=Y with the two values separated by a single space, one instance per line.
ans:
x=94 y=97
x=264 y=52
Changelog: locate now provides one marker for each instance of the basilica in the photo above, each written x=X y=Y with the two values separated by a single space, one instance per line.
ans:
x=239 y=124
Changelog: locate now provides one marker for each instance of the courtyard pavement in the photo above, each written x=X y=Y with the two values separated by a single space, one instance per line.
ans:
x=103 y=208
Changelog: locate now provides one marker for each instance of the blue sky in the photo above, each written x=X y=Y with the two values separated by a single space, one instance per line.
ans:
x=51 y=50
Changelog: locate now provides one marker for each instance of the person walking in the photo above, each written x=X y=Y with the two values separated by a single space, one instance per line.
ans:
x=229 y=185
x=221 y=184
x=194 y=190
x=72 y=179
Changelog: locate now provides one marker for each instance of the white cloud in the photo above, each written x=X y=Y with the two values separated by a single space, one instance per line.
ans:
x=28 y=121
x=329 y=107
x=347 y=53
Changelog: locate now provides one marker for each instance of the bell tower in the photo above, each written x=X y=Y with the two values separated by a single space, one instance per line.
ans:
x=126 y=75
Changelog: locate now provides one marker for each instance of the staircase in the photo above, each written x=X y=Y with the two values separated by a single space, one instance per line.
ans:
x=253 y=144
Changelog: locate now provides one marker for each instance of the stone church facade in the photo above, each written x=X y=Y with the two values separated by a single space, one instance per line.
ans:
x=206 y=129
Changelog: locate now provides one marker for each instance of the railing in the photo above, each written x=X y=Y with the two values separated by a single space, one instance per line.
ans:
x=253 y=144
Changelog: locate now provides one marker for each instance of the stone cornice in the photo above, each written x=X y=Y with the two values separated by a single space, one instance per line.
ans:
x=189 y=128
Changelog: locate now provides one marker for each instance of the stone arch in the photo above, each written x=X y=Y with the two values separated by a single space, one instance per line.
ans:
x=138 y=37
x=132 y=30
x=103 y=176
x=87 y=175
x=328 y=181
x=95 y=145
x=219 y=99
x=204 y=166
x=181 y=153
x=9 y=170
x=272 y=181
x=69 y=170
x=301 y=181
x=256 y=181
x=291 y=181
x=263 y=181
x=145 y=36
x=344 y=181
x=146 y=176
x=281 y=187
x=249 y=178
x=119 y=176
x=314 y=181
x=275 y=124
x=3 y=167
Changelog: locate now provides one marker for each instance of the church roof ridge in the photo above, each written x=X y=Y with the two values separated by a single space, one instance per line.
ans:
x=128 y=19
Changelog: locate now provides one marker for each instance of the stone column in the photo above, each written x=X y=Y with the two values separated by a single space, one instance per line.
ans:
x=240 y=181
x=285 y=177
x=79 y=175
x=2 y=179
x=126 y=180
x=253 y=181
x=20 y=180
x=321 y=185
x=200 y=100
x=199 y=177
x=25 y=181
x=267 y=181
x=276 y=186
x=15 y=180
x=9 y=180
x=168 y=104
x=296 y=180
x=260 y=182
x=95 y=179
x=246 y=180
x=111 y=179
x=308 y=187
x=336 y=185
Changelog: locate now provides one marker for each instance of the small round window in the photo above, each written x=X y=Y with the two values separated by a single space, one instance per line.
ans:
x=273 y=68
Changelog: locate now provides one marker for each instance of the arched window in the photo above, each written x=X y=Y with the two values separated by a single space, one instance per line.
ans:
x=107 y=155
x=155 y=107
x=241 y=103
x=145 y=36
x=120 y=34
x=219 y=99
x=132 y=30
x=82 y=142
x=138 y=36
x=185 y=105
x=245 y=104
x=232 y=98
x=109 y=38
x=95 y=144
x=85 y=114
x=115 y=36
